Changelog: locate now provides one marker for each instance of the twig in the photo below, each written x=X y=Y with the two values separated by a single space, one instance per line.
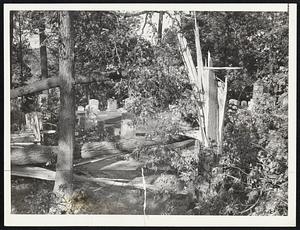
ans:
x=252 y=206
x=259 y=146
x=117 y=53
x=235 y=178
x=146 y=18
x=48 y=123
x=238 y=169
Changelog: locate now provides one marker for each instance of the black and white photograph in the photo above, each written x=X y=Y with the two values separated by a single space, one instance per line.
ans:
x=148 y=111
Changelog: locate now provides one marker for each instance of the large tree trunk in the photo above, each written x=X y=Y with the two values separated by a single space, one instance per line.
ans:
x=211 y=105
x=64 y=165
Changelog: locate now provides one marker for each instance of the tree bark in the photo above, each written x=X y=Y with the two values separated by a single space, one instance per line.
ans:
x=43 y=54
x=48 y=83
x=160 y=23
x=11 y=39
x=64 y=166
x=35 y=87
x=20 y=50
x=211 y=105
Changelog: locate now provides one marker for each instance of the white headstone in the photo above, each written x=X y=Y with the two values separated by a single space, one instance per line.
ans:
x=94 y=104
x=244 y=104
x=127 y=129
x=117 y=131
x=80 y=109
x=112 y=105
x=251 y=104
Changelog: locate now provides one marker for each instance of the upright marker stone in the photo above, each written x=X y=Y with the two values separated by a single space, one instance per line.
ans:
x=244 y=104
x=112 y=105
x=81 y=116
x=258 y=89
x=94 y=105
x=127 y=129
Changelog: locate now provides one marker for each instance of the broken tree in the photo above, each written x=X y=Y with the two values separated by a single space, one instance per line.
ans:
x=210 y=93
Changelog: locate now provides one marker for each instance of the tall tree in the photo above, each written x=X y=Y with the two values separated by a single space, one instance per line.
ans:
x=64 y=167
x=11 y=38
x=43 y=51
x=20 y=48
x=160 y=23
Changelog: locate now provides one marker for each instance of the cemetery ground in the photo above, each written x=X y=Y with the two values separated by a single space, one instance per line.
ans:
x=108 y=179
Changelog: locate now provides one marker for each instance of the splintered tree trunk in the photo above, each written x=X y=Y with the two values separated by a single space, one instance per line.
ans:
x=211 y=99
x=64 y=166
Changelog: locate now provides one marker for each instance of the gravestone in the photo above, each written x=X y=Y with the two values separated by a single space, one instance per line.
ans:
x=80 y=109
x=117 y=131
x=94 y=105
x=258 y=89
x=127 y=129
x=233 y=105
x=80 y=113
x=112 y=105
x=34 y=123
x=93 y=110
x=244 y=104
x=250 y=104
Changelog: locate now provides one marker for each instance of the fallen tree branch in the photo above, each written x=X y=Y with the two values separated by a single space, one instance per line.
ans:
x=48 y=83
x=32 y=154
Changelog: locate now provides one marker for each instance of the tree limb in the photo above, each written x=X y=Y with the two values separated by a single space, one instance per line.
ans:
x=126 y=15
x=55 y=82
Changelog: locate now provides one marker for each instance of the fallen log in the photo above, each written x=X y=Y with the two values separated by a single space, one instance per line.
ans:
x=46 y=174
x=32 y=154
x=22 y=137
x=33 y=172
x=96 y=149
x=103 y=148
x=95 y=160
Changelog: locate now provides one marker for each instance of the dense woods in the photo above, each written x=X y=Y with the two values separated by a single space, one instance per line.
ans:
x=84 y=55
